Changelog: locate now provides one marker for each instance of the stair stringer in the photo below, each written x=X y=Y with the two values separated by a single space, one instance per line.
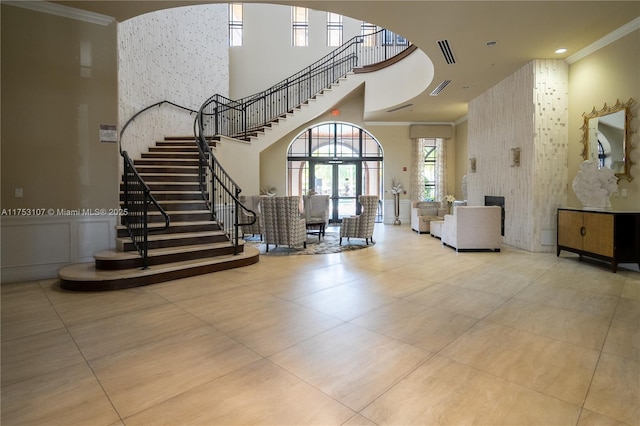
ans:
x=385 y=88
x=313 y=108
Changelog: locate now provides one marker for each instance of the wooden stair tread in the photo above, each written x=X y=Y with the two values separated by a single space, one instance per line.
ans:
x=172 y=236
x=193 y=244
x=175 y=224
x=115 y=255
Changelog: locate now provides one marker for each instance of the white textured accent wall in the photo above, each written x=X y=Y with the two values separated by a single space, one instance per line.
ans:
x=551 y=149
x=180 y=55
x=526 y=111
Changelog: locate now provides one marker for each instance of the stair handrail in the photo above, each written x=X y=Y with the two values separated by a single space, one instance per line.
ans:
x=239 y=119
x=223 y=192
x=137 y=194
x=224 y=200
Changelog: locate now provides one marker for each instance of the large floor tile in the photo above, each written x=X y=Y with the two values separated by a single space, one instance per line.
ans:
x=31 y=356
x=628 y=310
x=77 y=308
x=146 y=375
x=344 y=302
x=615 y=390
x=444 y=392
x=228 y=305
x=351 y=364
x=425 y=327
x=589 y=418
x=110 y=335
x=297 y=285
x=277 y=326
x=260 y=394
x=201 y=286
x=71 y=396
x=25 y=310
x=403 y=332
x=460 y=300
x=570 y=298
x=390 y=284
x=549 y=366
x=493 y=280
x=623 y=340
x=562 y=324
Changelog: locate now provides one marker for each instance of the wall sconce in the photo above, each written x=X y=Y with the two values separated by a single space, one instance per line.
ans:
x=472 y=165
x=515 y=157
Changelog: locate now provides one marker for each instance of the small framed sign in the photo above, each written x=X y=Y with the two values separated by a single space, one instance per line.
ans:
x=108 y=133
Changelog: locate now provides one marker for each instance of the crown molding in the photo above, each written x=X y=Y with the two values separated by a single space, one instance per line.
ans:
x=606 y=40
x=63 y=11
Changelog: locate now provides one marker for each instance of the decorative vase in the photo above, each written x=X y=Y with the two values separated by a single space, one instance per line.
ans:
x=396 y=206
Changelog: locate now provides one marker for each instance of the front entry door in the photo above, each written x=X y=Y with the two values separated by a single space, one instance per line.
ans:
x=340 y=181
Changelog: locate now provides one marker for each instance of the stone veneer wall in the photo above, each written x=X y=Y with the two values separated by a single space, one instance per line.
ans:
x=180 y=55
x=527 y=110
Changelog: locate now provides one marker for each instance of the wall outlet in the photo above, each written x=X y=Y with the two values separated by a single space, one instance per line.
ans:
x=18 y=192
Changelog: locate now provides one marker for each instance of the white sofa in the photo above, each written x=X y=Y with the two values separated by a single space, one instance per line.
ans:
x=473 y=228
x=423 y=212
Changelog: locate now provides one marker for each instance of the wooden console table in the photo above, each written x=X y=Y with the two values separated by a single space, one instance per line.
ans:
x=612 y=236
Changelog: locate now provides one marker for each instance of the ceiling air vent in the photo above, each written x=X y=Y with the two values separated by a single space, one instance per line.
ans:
x=446 y=51
x=440 y=88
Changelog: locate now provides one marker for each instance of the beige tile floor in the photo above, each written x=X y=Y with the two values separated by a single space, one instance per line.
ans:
x=404 y=332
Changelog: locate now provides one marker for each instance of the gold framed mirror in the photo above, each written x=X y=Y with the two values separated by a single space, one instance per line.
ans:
x=607 y=138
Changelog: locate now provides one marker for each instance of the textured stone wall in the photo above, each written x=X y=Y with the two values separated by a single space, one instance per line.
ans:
x=526 y=112
x=180 y=55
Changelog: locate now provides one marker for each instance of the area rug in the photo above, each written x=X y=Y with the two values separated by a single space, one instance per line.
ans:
x=330 y=243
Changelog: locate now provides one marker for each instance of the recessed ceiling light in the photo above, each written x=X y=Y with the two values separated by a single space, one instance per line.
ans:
x=491 y=43
x=561 y=50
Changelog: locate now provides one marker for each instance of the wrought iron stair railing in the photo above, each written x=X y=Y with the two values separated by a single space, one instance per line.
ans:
x=244 y=117
x=224 y=193
x=137 y=196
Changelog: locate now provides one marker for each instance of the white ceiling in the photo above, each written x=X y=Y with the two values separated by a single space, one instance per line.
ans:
x=523 y=30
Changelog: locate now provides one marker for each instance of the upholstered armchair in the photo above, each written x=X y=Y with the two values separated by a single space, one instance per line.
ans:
x=253 y=203
x=316 y=208
x=282 y=222
x=423 y=212
x=361 y=226
x=473 y=228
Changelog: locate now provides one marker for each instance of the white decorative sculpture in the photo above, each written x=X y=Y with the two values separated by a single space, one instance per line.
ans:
x=594 y=186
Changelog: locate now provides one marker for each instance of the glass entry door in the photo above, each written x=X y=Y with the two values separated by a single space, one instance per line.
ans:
x=340 y=181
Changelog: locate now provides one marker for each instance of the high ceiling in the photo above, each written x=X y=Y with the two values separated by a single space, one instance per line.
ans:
x=522 y=30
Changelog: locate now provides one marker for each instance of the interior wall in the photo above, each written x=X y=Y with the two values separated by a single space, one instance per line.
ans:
x=527 y=112
x=58 y=84
x=51 y=115
x=461 y=158
x=394 y=139
x=605 y=76
x=247 y=61
x=180 y=55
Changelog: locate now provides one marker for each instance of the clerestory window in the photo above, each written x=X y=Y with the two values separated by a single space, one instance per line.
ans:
x=236 y=23
x=300 y=26
x=334 y=29
x=368 y=31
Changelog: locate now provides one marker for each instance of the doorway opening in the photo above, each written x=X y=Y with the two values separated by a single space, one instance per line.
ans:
x=337 y=159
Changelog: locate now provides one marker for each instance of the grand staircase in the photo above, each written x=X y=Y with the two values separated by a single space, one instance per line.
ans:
x=180 y=238
x=192 y=244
